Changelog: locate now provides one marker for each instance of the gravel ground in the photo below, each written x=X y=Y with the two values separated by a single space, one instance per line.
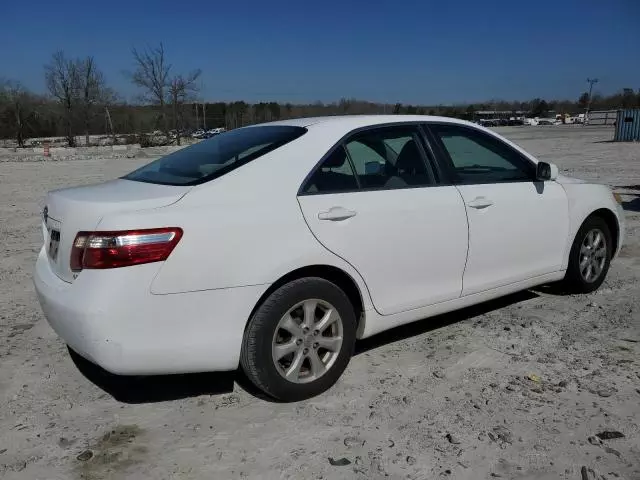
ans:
x=526 y=387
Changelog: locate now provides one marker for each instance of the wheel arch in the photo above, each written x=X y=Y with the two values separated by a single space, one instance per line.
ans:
x=587 y=200
x=330 y=273
x=611 y=220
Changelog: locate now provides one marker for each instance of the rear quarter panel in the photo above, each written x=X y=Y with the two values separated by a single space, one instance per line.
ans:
x=244 y=228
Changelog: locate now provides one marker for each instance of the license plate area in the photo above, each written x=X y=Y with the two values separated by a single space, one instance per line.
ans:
x=54 y=243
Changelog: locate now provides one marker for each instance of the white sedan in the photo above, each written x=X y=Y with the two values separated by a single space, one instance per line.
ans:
x=274 y=247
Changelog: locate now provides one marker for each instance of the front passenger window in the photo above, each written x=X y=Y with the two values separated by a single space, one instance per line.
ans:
x=477 y=157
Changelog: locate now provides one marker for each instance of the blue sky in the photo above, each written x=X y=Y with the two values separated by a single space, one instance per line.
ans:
x=425 y=52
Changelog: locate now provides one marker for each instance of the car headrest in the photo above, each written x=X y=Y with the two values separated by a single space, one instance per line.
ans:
x=409 y=159
x=336 y=159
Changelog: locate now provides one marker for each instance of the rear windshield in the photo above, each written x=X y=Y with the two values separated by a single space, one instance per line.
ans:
x=216 y=156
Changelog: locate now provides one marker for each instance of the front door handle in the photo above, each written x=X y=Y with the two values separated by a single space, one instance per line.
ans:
x=336 y=214
x=480 y=203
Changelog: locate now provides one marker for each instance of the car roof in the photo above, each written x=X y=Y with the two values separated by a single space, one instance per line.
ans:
x=357 y=121
x=339 y=125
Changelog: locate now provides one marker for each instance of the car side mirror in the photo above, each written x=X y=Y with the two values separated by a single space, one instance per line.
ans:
x=546 y=171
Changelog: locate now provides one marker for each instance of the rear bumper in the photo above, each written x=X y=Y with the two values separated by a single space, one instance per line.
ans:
x=111 y=318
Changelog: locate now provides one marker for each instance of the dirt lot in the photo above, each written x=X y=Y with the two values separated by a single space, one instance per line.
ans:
x=516 y=388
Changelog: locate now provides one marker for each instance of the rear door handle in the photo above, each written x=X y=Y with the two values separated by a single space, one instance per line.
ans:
x=336 y=214
x=480 y=203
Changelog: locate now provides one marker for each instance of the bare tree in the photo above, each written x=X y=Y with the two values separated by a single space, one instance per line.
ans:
x=19 y=108
x=94 y=92
x=62 y=76
x=181 y=89
x=152 y=75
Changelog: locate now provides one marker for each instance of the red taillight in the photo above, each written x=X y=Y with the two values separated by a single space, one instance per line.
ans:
x=122 y=249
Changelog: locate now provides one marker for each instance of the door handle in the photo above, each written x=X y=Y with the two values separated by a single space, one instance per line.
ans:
x=336 y=214
x=480 y=203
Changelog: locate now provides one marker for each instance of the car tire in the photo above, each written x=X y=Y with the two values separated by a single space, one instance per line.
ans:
x=284 y=322
x=597 y=260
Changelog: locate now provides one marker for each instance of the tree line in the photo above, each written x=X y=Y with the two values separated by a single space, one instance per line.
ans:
x=79 y=102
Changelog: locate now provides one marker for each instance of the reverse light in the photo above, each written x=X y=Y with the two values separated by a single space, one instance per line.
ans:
x=99 y=250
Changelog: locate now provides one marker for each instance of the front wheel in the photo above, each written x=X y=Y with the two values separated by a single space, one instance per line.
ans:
x=590 y=256
x=300 y=339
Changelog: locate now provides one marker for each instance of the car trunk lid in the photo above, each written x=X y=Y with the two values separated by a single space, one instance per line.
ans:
x=71 y=210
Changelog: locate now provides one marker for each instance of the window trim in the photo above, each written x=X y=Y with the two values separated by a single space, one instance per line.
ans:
x=447 y=163
x=440 y=171
x=352 y=165
x=428 y=158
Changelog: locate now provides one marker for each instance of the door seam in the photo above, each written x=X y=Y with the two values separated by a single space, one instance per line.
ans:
x=466 y=261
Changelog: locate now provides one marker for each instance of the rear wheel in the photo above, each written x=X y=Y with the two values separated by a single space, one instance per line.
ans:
x=589 y=257
x=300 y=339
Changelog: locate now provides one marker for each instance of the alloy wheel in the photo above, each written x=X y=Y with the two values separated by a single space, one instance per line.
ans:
x=593 y=255
x=307 y=341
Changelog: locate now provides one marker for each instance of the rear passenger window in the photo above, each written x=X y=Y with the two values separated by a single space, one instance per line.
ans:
x=389 y=158
x=334 y=175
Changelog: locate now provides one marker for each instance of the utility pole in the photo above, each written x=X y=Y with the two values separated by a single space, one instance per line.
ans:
x=204 y=108
x=197 y=122
x=110 y=123
x=591 y=81
x=204 y=116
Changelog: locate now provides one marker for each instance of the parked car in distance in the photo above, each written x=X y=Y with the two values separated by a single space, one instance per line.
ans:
x=488 y=122
x=200 y=133
x=274 y=247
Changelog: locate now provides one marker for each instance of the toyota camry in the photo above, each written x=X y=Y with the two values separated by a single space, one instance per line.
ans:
x=272 y=248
